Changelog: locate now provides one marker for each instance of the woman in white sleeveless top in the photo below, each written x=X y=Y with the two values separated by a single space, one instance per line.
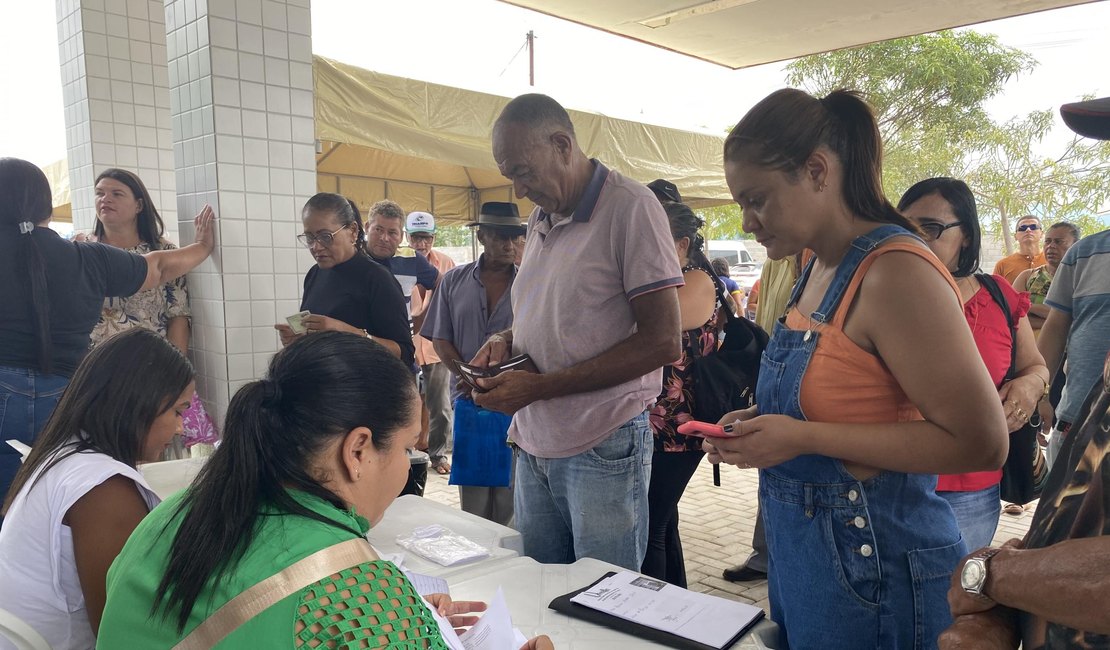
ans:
x=78 y=495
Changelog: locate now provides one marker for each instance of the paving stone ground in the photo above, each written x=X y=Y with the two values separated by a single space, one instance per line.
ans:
x=716 y=526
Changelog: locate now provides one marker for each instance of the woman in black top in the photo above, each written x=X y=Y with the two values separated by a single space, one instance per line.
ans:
x=51 y=297
x=346 y=291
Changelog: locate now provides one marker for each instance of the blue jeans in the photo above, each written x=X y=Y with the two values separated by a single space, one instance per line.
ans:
x=593 y=504
x=976 y=514
x=27 y=398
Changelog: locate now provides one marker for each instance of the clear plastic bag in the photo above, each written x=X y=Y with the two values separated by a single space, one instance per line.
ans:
x=442 y=545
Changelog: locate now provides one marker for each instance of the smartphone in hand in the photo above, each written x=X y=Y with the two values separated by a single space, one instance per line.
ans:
x=706 y=430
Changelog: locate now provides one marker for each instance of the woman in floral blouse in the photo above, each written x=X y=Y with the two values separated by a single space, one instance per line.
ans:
x=677 y=456
x=126 y=218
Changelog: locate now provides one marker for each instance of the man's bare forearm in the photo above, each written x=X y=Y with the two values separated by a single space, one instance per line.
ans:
x=1072 y=581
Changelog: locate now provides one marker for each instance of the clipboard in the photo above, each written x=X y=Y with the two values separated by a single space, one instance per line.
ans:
x=563 y=605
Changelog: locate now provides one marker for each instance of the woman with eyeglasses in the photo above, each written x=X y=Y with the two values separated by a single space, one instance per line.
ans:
x=944 y=210
x=346 y=291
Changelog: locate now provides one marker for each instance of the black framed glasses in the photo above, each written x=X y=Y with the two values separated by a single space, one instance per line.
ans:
x=1025 y=227
x=325 y=239
x=934 y=230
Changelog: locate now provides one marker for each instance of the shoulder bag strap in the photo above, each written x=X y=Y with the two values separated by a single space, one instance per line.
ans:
x=991 y=286
x=270 y=591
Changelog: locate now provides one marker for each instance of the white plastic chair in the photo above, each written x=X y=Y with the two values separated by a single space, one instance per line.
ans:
x=22 y=635
x=20 y=447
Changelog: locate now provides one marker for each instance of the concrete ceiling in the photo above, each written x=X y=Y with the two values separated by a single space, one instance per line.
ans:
x=742 y=33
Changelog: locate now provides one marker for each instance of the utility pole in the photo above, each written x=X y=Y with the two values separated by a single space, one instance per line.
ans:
x=531 y=40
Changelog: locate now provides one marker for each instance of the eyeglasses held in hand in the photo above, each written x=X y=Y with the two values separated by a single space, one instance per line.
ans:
x=1028 y=226
x=933 y=230
x=325 y=239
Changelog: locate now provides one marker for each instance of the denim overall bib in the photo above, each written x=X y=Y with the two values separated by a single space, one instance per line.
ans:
x=853 y=564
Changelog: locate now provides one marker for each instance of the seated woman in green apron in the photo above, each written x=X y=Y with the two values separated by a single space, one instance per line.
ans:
x=266 y=549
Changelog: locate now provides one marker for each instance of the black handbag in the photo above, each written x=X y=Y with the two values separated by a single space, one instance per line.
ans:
x=725 y=380
x=1021 y=482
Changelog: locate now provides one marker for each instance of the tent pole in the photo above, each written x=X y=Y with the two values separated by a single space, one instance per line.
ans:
x=475 y=210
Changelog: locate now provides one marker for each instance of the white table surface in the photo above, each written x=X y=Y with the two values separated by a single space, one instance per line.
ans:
x=168 y=476
x=410 y=511
x=529 y=586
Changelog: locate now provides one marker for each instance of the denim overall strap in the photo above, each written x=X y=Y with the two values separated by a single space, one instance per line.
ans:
x=860 y=248
x=800 y=283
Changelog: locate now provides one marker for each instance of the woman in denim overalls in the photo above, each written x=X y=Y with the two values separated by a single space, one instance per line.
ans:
x=870 y=386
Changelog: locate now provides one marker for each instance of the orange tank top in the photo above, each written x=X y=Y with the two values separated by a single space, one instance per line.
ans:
x=844 y=382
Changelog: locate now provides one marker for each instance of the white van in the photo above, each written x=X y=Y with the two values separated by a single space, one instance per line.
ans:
x=734 y=252
x=742 y=268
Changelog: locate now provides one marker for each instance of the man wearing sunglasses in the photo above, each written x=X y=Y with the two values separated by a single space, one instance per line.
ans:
x=1027 y=232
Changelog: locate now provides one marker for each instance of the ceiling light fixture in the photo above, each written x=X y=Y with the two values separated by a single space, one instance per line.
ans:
x=693 y=11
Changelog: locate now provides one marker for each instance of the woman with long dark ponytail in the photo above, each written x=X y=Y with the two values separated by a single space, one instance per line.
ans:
x=312 y=455
x=870 y=386
x=52 y=294
x=78 y=495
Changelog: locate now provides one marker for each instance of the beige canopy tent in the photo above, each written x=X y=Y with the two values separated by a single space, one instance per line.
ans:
x=427 y=146
x=58 y=174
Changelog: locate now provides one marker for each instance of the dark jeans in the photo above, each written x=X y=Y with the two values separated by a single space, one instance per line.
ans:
x=27 y=398
x=670 y=474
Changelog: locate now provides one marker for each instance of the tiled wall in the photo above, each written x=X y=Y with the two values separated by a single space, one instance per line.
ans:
x=240 y=78
x=117 y=104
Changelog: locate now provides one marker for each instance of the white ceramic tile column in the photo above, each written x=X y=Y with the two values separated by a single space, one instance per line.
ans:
x=116 y=94
x=240 y=74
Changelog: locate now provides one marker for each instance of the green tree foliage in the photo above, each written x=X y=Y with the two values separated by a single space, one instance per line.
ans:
x=453 y=236
x=919 y=85
x=928 y=93
x=1011 y=179
x=722 y=222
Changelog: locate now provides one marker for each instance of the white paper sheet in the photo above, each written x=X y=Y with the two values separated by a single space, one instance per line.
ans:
x=700 y=617
x=425 y=585
x=494 y=631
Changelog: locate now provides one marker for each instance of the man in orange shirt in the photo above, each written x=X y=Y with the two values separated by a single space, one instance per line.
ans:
x=1028 y=233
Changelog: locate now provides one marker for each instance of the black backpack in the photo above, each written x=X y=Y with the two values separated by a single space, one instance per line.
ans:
x=725 y=380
